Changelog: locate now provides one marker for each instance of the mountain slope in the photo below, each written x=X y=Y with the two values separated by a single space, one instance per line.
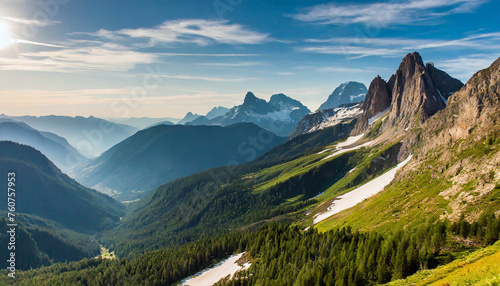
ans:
x=56 y=148
x=46 y=192
x=454 y=170
x=163 y=153
x=326 y=118
x=348 y=92
x=90 y=136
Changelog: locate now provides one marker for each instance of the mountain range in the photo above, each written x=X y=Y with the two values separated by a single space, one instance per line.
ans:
x=279 y=115
x=90 y=136
x=163 y=153
x=56 y=148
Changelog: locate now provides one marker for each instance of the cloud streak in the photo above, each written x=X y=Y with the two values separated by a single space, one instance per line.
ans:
x=354 y=48
x=384 y=14
x=33 y=22
x=195 y=31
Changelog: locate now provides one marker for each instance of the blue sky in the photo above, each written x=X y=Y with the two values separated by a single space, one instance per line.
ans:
x=161 y=58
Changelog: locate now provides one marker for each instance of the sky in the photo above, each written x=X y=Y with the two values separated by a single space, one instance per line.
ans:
x=164 y=58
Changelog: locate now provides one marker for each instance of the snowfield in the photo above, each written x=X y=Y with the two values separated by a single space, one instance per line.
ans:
x=212 y=275
x=359 y=194
x=342 y=151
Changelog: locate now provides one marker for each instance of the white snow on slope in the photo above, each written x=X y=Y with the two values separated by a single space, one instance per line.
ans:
x=342 y=151
x=442 y=97
x=350 y=140
x=359 y=194
x=341 y=114
x=212 y=275
x=377 y=116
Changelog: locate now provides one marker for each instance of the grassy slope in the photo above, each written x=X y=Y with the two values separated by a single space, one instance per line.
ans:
x=481 y=267
x=420 y=191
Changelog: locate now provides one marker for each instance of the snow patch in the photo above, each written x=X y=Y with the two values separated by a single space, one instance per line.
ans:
x=377 y=116
x=221 y=270
x=341 y=114
x=361 y=193
x=350 y=140
x=442 y=97
x=342 y=151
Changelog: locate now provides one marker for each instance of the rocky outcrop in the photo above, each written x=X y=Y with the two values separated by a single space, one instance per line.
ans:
x=376 y=101
x=349 y=92
x=474 y=108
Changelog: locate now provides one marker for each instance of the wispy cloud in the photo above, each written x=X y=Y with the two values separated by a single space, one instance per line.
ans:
x=394 y=47
x=383 y=14
x=103 y=57
x=208 y=78
x=34 y=22
x=196 y=31
x=343 y=70
x=352 y=52
x=464 y=67
x=230 y=65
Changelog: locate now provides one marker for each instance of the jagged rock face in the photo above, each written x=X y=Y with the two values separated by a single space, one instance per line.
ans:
x=325 y=118
x=414 y=93
x=444 y=83
x=349 y=92
x=377 y=99
x=414 y=96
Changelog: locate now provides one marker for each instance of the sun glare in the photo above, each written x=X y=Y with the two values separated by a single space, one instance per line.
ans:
x=5 y=39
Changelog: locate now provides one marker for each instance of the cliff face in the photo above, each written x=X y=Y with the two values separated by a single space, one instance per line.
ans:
x=377 y=100
x=414 y=97
x=414 y=93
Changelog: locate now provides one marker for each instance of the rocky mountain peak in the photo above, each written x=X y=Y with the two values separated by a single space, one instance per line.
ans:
x=282 y=101
x=414 y=95
x=250 y=98
x=348 y=92
x=378 y=97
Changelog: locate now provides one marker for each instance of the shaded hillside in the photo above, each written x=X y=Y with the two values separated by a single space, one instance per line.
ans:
x=163 y=153
x=56 y=148
x=46 y=192
x=308 y=143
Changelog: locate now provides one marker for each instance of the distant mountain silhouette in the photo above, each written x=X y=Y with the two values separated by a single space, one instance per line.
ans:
x=56 y=148
x=89 y=135
x=163 y=153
